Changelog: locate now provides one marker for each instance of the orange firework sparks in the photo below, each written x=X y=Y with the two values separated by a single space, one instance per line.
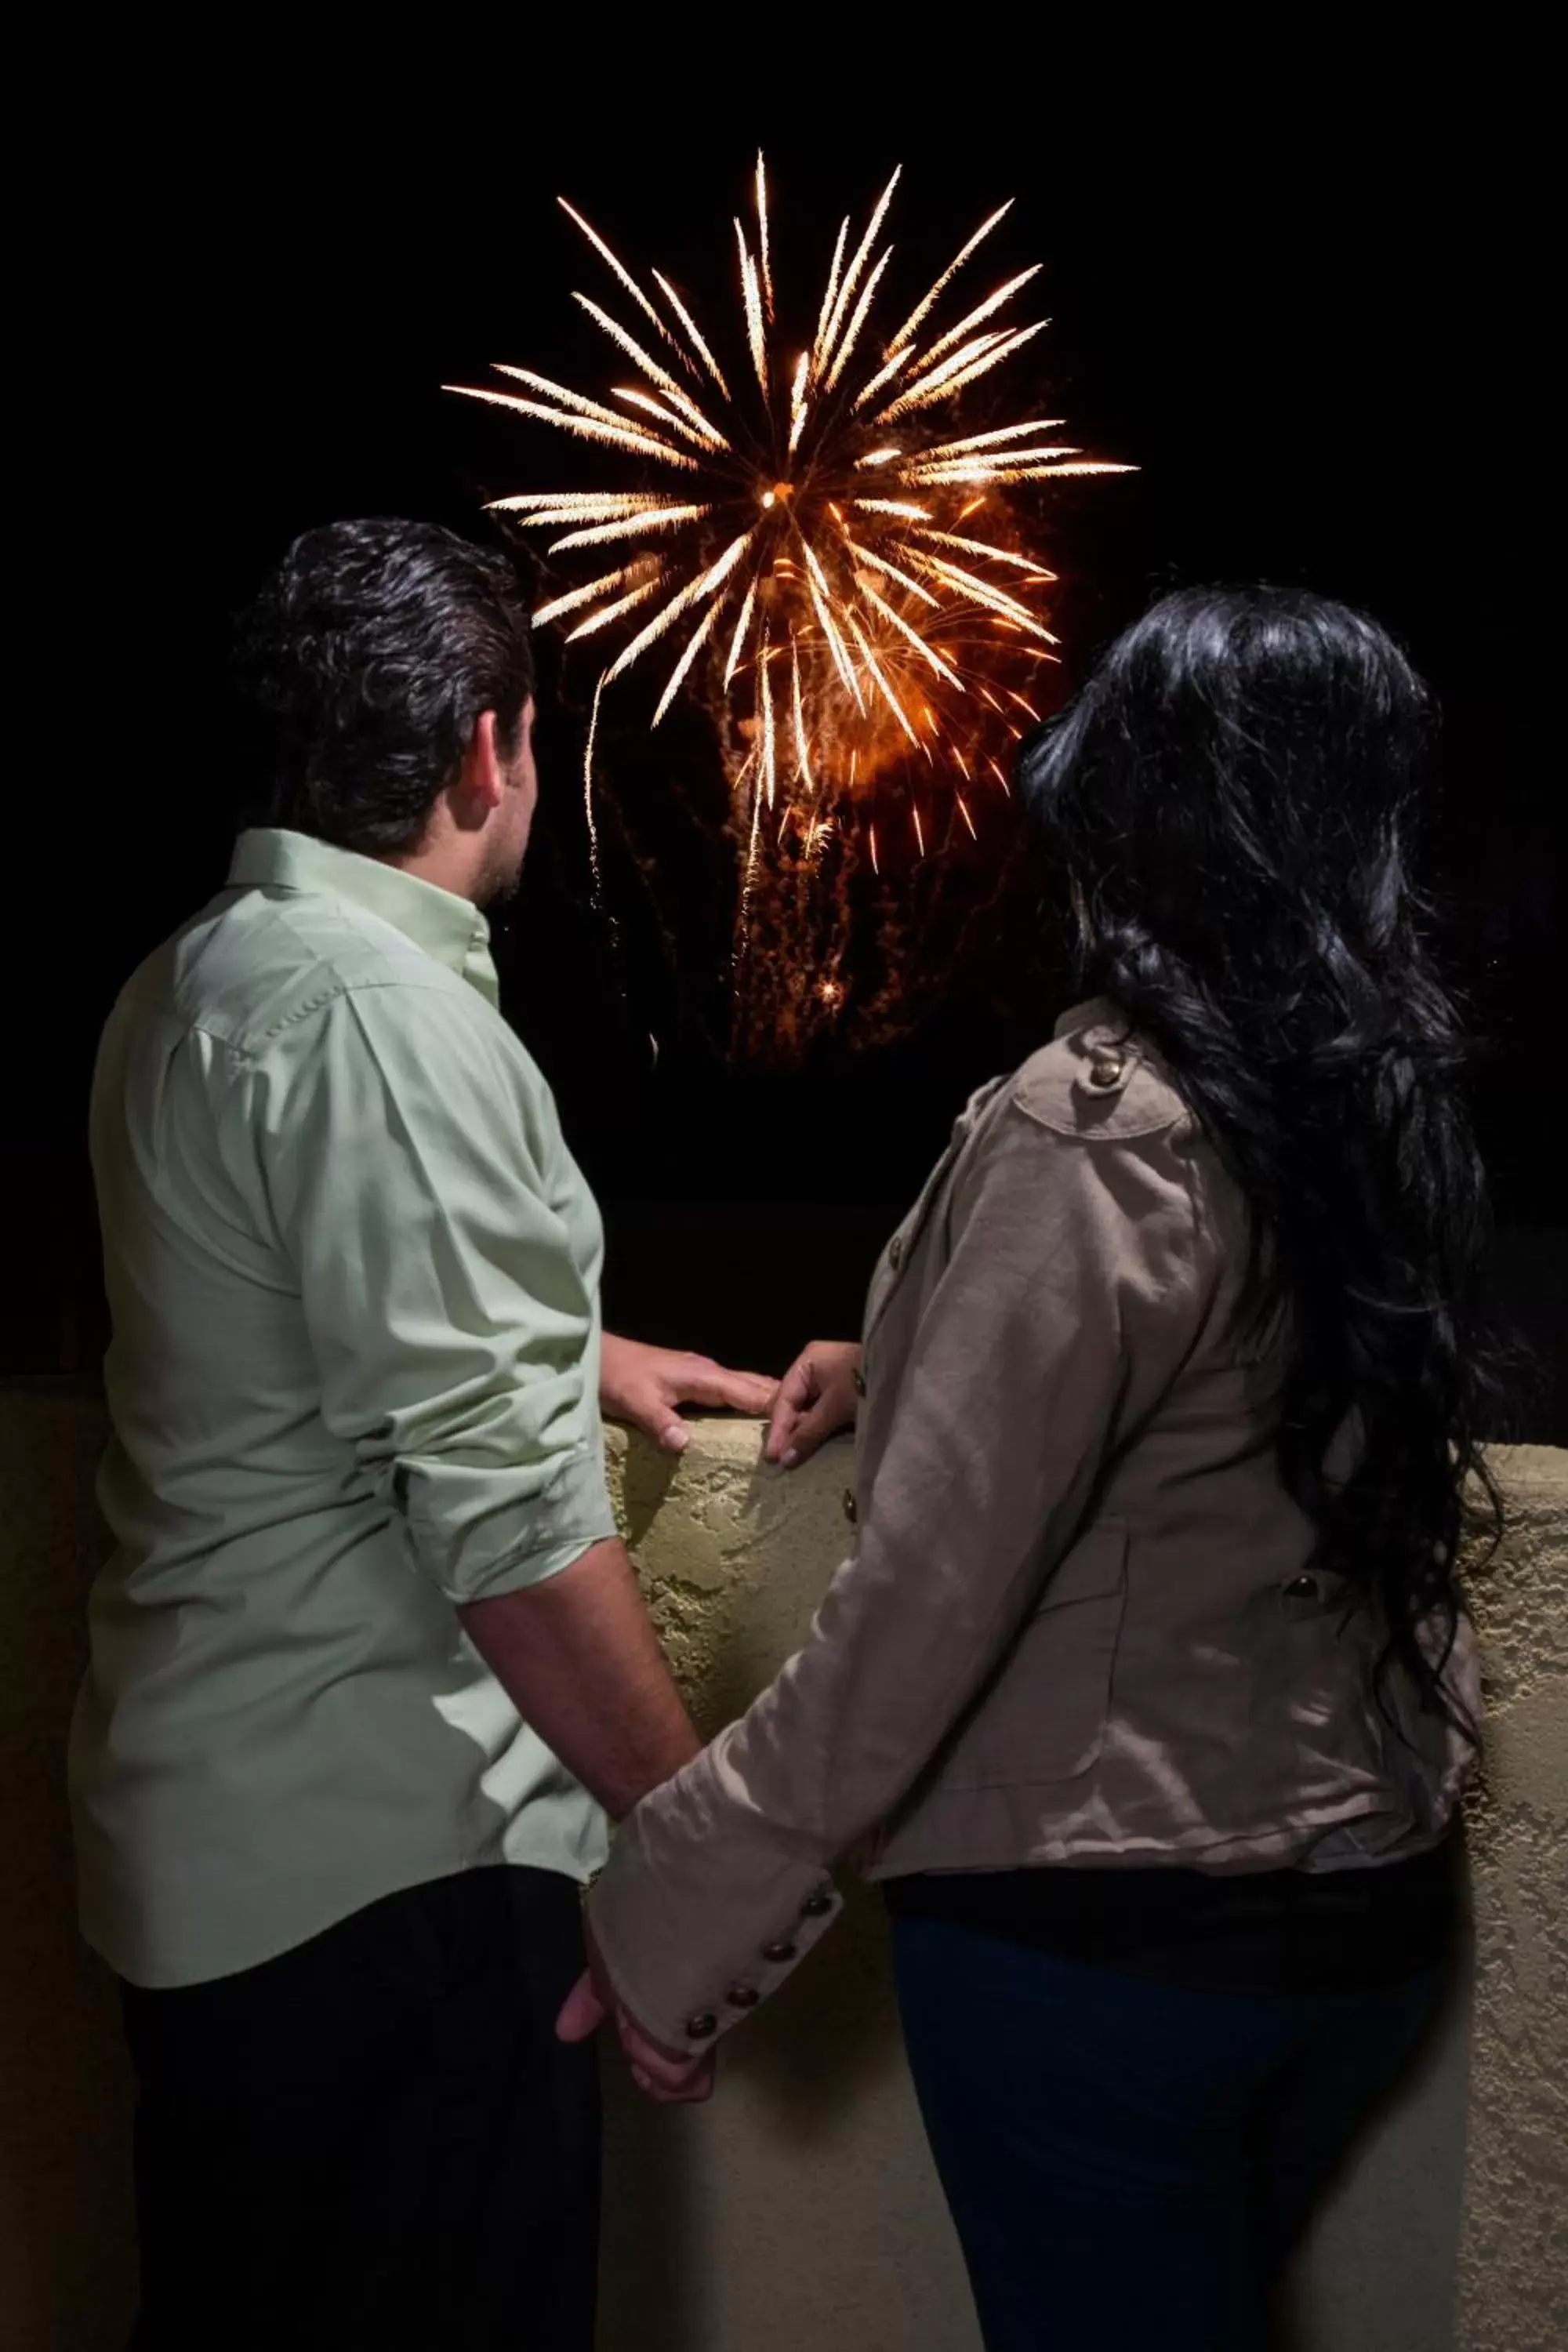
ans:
x=809 y=525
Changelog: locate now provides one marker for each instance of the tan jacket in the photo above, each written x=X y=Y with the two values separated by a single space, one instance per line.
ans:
x=1078 y=1624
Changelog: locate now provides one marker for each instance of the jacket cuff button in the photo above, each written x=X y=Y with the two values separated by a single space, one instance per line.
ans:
x=780 y=1952
x=703 y=2026
x=818 y=1904
x=743 y=1996
x=851 y=1509
x=858 y=1382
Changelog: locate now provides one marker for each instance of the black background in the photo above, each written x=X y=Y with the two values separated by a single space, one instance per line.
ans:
x=1272 y=279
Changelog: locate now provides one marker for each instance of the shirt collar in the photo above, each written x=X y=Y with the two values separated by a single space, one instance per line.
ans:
x=1095 y=1012
x=447 y=928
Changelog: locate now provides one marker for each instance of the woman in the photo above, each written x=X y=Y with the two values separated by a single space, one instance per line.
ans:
x=1147 y=1690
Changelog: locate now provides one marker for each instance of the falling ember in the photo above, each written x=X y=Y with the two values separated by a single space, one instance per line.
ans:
x=796 y=539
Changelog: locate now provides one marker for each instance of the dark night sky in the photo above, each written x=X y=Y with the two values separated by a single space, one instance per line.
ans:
x=1269 y=286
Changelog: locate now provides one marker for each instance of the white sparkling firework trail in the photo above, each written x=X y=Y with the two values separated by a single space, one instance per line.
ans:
x=737 y=644
x=752 y=294
x=559 y=606
x=629 y=527
x=613 y=612
x=588 y=793
x=851 y=277
x=924 y=307
x=842 y=357
x=698 y=638
x=628 y=280
x=588 y=428
x=802 y=755
x=762 y=253
x=693 y=331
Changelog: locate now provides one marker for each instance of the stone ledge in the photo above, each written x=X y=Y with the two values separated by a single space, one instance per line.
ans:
x=732 y=1555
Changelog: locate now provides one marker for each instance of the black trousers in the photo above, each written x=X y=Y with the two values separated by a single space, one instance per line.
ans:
x=375 y=2139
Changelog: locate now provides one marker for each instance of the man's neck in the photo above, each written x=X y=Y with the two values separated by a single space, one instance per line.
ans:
x=444 y=866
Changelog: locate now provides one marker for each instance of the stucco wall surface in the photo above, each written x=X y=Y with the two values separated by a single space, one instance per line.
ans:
x=800 y=2207
x=1514 y=2247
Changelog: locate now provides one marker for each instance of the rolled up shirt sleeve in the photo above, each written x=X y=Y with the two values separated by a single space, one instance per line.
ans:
x=418 y=1192
x=1066 y=1301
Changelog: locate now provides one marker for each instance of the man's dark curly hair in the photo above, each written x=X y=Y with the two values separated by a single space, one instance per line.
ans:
x=364 y=664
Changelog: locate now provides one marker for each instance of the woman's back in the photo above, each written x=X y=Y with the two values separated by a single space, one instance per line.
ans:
x=1187 y=1686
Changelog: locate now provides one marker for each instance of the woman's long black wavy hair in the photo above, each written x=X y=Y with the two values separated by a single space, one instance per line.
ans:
x=1231 y=800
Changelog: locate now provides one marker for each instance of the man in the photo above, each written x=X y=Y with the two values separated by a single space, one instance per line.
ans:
x=369 y=1666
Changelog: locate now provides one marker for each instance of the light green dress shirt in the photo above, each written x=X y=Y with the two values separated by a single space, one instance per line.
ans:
x=354 y=1275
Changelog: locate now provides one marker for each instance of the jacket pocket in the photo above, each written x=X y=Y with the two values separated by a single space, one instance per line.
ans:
x=1042 y=1715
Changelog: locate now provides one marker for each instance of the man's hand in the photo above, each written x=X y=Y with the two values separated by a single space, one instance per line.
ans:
x=818 y=1397
x=665 y=2076
x=646 y=1386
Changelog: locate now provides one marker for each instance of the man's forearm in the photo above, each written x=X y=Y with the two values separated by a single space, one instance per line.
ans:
x=579 y=1659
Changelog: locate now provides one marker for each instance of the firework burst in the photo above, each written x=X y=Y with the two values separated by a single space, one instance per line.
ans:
x=804 y=531
x=816 y=542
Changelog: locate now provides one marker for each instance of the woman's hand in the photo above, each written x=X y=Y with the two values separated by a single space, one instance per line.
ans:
x=818 y=1396
x=646 y=1386
x=668 y=2076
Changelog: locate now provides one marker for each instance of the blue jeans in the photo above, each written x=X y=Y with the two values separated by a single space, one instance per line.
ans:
x=1129 y=2163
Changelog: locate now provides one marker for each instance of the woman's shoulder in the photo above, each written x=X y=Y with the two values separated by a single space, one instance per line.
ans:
x=1099 y=1081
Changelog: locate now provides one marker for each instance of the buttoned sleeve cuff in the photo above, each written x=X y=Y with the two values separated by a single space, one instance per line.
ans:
x=481 y=1532
x=696 y=1931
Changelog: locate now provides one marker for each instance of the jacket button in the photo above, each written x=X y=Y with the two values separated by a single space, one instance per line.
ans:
x=703 y=2025
x=1303 y=1588
x=851 y=1508
x=743 y=1996
x=779 y=1952
x=818 y=1904
x=1105 y=1070
x=895 y=1252
x=858 y=1382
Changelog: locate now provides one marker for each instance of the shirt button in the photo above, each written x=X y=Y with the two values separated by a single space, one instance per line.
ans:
x=818 y=1904
x=779 y=1952
x=1302 y=1588
x=857 y=1380
x=701 y=2026
x=851 y=1508
x=743 y=1996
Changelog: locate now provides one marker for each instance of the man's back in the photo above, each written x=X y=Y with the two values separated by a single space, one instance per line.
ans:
x=352 y=1273
x=367 y=1566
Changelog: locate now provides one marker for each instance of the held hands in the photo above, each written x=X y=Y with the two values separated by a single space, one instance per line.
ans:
x=665 y=2076
x=818 y=1396
x=646 y=1385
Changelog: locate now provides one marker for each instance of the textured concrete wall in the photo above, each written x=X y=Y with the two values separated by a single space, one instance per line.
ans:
x=67 y=2264
x=800 y=2208
x=1514 y=2248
